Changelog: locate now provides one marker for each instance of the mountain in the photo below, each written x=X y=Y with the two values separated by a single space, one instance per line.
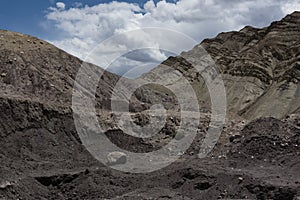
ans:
x=260 y=68
x=36 y=70
x=42 y=155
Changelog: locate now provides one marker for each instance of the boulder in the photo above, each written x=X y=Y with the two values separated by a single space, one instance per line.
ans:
x=116 y=158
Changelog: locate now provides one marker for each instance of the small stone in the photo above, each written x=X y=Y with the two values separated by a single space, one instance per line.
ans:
x=234 y=138
x=179 y=136
x=284 y=144
x=116 y=158
x=5 y=184
x=241 y=179
x=3 y=74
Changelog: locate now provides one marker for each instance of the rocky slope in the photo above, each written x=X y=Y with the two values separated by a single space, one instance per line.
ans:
x=260 y=68
x=42 y=156
x=257 y=165
x=37 y=128
x=36 y=70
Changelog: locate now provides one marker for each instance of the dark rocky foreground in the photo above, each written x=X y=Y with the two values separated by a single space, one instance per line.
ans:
x=262 y=163
x=257 y=157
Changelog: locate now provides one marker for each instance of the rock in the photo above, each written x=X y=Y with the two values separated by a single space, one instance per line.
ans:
x=234 y=138
x=203 y=185
x=5 y=184
x=3 y=74
x=179 y=136
x=241 y=179
x=116 y=158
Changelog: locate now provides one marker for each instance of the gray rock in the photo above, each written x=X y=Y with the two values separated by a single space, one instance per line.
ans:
x=116 y=158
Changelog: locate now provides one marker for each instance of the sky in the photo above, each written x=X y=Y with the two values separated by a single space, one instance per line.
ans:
x=29 y=16
x=77 y=26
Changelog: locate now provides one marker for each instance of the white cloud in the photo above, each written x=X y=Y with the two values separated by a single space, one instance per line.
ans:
x=86 y=26
x=290 y=6
x=60 y=5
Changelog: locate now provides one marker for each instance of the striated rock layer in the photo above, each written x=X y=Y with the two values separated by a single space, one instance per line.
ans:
x=260 y=68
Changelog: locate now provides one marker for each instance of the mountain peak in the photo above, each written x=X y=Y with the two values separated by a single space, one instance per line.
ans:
x=36 y=70
x=260 y=68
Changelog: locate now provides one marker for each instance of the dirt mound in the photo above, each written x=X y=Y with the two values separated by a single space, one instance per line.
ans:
x=269 y=140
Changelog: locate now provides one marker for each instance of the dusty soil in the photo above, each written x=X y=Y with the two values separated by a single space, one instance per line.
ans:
x=263 y=163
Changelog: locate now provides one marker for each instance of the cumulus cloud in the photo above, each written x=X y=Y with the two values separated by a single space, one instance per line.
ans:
x=86 y=26
x=60 y=5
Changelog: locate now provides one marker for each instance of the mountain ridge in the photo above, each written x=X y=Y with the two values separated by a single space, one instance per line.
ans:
x=255 y=67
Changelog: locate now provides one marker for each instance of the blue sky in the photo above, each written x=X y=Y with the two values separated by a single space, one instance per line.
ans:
x=27 y=16
x=77 y=26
